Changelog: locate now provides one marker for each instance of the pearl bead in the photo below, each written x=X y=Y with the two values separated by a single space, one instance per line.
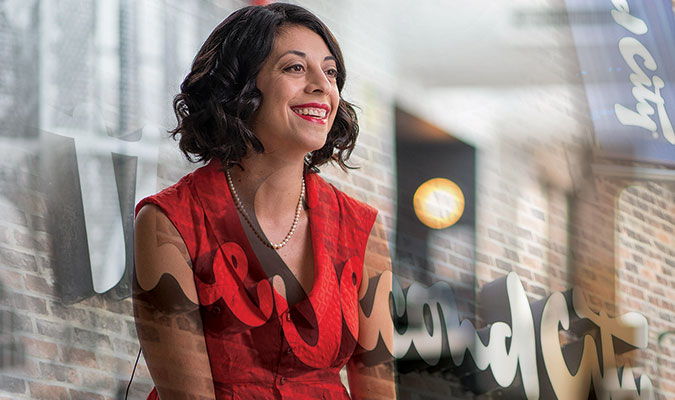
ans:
x=242 y=210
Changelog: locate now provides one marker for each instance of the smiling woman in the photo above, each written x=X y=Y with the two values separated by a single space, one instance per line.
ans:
x=249 y=270
x=222 y=92
x=300 y=97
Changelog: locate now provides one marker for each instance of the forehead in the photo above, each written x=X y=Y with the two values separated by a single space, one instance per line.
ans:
x=301 y=38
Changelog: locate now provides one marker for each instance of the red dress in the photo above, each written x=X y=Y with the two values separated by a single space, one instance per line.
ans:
x=287 y=354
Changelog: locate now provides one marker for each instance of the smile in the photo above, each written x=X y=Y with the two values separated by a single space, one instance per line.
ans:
x=313 y=112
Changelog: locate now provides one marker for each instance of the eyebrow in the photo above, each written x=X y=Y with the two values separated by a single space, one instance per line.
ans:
x=303 y=54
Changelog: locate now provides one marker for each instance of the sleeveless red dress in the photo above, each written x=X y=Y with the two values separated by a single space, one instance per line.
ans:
x=259 y=348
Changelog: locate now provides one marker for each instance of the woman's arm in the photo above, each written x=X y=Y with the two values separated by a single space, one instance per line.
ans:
x=371 y=373
x=166 y=310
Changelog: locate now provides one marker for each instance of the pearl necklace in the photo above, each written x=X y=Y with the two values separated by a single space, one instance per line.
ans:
x=242 y=210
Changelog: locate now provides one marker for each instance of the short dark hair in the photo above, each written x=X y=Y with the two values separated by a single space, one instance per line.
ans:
x=219 y=96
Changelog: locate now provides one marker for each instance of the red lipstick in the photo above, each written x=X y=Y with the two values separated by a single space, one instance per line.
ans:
x=312 y=118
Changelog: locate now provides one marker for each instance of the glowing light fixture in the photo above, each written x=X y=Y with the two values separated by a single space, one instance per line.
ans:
x=438 y=203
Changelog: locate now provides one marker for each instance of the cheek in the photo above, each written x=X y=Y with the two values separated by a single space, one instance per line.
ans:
x=335 y=102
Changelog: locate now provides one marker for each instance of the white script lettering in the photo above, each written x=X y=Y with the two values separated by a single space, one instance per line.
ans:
x=508 y=297
x=622 y=17
x=630 y=48
x=631 y=328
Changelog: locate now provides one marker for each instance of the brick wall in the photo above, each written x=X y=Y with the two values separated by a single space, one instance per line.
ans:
x=79 y=351
x=644 y=242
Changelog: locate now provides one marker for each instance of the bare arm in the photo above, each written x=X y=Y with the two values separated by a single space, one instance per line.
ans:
x=166 y=310
x=371 y=373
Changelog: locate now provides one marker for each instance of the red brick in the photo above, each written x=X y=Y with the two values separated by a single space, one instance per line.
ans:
x=33 y=240
x=92 y=339
x=112 y=363
x=104 y=321
x=17 y=259
x=29 y=368
x=127 y=347
x=48 y=392
x=79 y=357
x=523 y=273
x=13 y=281
x=40 y=285
x=635 y=292
x=12 y=384
x=40 y=349
x=59 y=373
x=503 y=265
x=79 y=395
x=74 y=314
x=29 y=303
x=15 y=322
x=97 y=380
x=51 y=329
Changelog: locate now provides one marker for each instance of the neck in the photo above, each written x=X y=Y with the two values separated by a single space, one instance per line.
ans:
x=269 y=187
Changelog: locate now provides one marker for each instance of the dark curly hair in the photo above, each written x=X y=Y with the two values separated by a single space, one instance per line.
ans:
x=219 y=96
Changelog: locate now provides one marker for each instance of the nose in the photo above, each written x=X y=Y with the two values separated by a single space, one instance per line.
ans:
x=317 y=81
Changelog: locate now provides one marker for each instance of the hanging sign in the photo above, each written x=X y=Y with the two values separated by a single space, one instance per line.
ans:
x=626 y=59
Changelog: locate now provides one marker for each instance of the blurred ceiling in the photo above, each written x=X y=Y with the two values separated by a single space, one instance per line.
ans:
x=481 y=43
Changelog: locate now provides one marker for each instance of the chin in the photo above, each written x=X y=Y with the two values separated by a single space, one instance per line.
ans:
x=316 y=145
x=313 y=141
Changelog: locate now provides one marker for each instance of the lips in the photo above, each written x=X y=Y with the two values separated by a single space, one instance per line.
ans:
x=313 y=112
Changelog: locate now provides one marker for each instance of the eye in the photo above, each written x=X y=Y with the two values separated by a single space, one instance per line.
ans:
x=295 y=68
x=332 y=73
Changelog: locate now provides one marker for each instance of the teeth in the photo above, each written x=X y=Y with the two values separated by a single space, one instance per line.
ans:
x=312 y=112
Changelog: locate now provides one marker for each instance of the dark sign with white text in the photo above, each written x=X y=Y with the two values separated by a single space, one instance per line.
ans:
x=625 y=51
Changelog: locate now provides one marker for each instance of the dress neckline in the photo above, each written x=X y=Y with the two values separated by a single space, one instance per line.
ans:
x=321 y=310
x=230 y=217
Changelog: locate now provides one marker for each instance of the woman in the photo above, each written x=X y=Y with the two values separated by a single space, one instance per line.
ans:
x=248 y=270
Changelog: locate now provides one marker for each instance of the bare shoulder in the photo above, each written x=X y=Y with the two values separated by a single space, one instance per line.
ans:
x=159 y=251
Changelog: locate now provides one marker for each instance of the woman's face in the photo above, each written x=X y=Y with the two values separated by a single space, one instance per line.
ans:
x=299 y=93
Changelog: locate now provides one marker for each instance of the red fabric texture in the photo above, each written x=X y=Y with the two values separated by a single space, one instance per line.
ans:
x=258 y=347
